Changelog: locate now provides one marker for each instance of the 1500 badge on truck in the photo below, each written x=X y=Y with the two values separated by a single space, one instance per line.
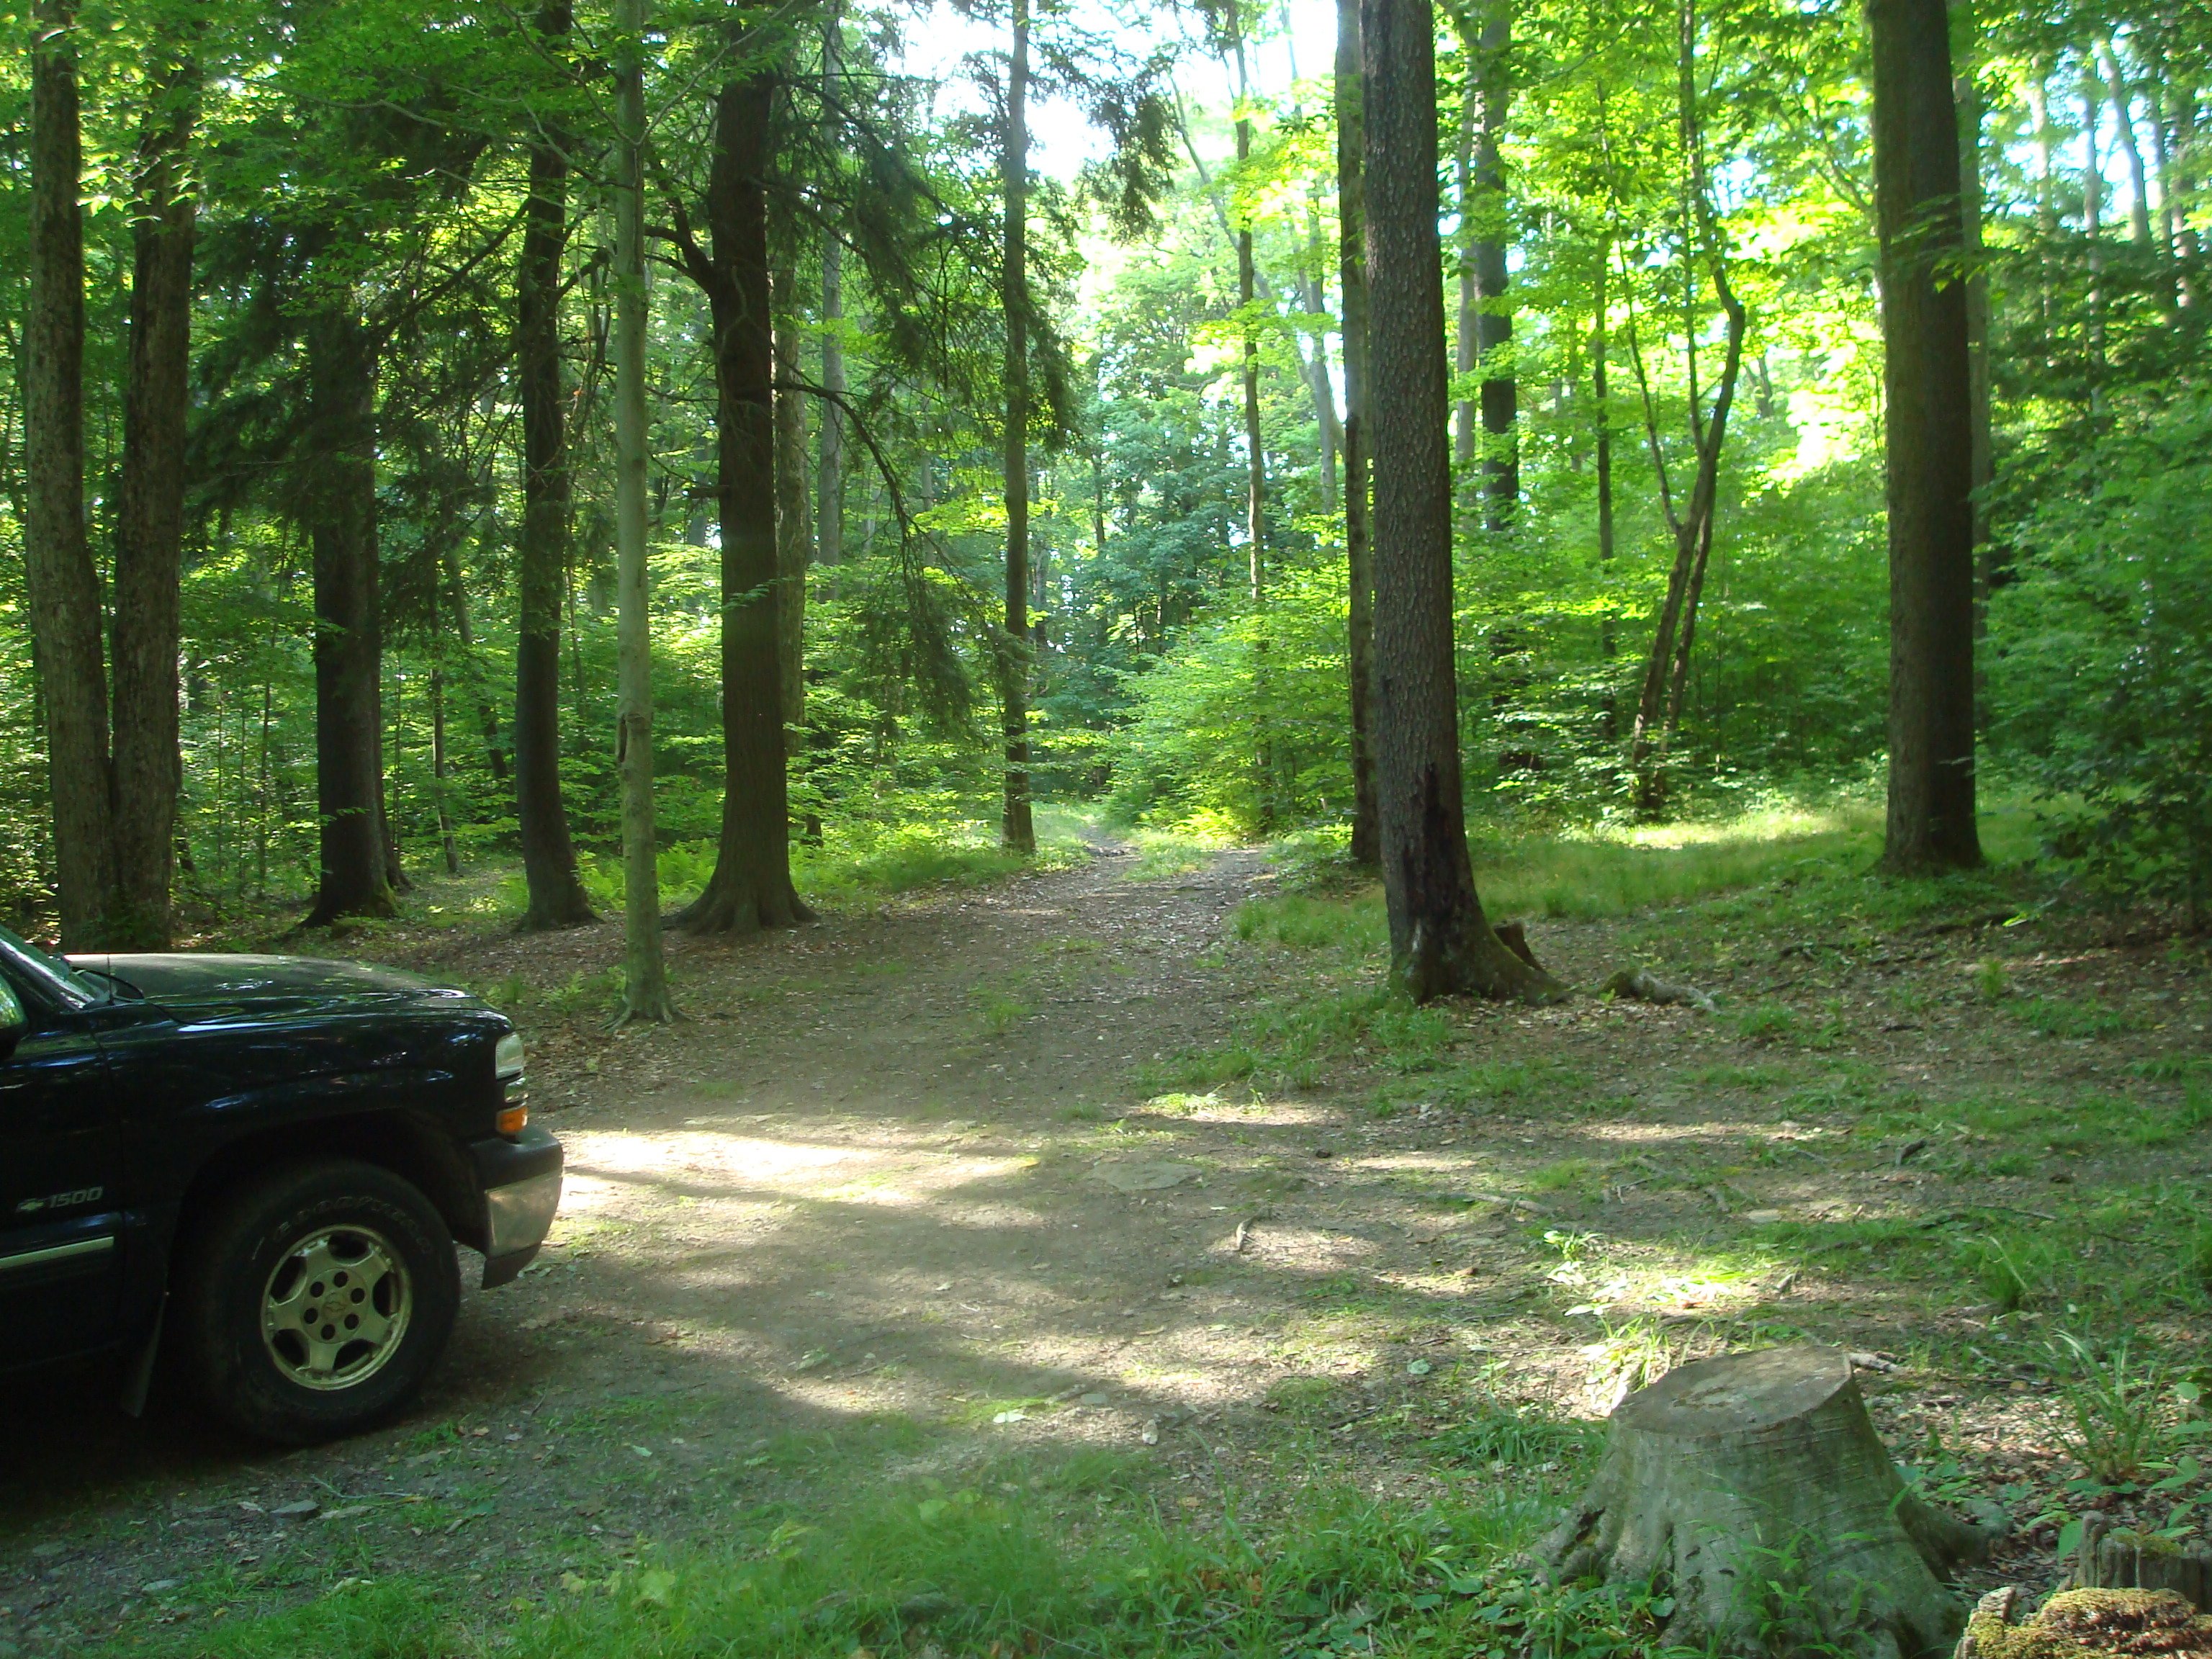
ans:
x=256 y=1167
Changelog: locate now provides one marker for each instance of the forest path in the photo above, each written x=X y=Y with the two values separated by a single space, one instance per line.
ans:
x=913 y=1192
x=893 y=1174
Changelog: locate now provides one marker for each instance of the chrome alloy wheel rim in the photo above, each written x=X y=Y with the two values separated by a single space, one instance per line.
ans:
x=336 y=1308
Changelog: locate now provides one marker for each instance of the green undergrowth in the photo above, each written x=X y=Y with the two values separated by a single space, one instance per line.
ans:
x=1066 y=1558
x=1787 y=867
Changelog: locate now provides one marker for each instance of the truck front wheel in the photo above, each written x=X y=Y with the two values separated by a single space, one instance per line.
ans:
x=315 y=1300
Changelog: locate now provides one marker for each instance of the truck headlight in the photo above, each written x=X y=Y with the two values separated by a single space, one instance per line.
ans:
x=506 y=1059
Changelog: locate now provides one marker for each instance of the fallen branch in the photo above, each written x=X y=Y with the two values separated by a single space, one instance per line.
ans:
x=1641 y=985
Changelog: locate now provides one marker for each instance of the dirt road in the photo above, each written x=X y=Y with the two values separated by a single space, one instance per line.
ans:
x=913 y=1190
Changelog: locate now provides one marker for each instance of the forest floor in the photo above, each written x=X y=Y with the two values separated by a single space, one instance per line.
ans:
x=1113 y=1200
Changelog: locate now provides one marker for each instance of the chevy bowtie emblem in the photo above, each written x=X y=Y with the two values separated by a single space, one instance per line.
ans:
x=61 y=1201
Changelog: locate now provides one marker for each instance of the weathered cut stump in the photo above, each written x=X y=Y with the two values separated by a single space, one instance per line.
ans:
x=2079 y=1624
x=1754 y=1490
x=2126 y=1560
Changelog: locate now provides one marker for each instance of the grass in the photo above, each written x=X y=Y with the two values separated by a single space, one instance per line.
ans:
x=1087 y=1553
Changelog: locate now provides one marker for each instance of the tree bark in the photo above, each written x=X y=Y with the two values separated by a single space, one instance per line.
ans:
x=751 y=888
x=150 y=516
x=1466 y=355
x=1359 y=571
x=1754 y=1492
x=795 y=527
x=1441 y=943
x=63 y=586
x=557 y=898
x=1493 y=317
x=1927 y=397
x=1966 y=92
x=830 y=506
x=645 y=974
x=1018 y=828
x=340 y=499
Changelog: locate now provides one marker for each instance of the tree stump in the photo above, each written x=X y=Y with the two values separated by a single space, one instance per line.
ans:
x=2080 y=1624
x=1752 y=1490
x=2126 y=1560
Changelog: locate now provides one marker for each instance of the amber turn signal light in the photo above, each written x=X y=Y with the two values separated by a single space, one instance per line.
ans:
x=511 y=1118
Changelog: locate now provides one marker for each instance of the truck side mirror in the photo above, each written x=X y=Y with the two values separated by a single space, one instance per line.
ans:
x=12 y=1019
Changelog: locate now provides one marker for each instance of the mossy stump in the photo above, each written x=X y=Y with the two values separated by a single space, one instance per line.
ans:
x=2083 y=1624
x=1754 y=1490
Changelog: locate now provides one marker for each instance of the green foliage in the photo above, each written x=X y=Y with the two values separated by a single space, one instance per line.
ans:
x=2105 y=681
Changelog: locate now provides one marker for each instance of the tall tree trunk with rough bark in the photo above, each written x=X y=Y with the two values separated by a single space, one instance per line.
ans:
x=1928 y=401
x=1358 y=557
x=1441 y=943
x=340 y=501
x=1467 y=413
x=645 y=973
x=150 y=515
x=751 y=887
x=1966 y=94
x=795 y=522
x=1018 y=828
x=555 y=887
x=63 y=586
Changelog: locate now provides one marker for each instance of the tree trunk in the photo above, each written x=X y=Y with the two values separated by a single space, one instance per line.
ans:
x=1440 y=941
x=645 y=975
x=1493 y=317
x=1928 y=399
x=1319 y=387
x=1604 y=417
x=794 y=524
x=63 y=586
x=830 y=511
x=829 y=507
x=446 y=841
x=751 y=888
x=2123 y=128
x=1360 y=570
x=457 y=594
x=1255 y=461
x=1752 y=1492
x=2092 y=232
x=1659 y=704
x=557 y=898
x=1966 y=92
x=1466 y=355
x=150 y=517
x=1018 y=828
x=340 y=498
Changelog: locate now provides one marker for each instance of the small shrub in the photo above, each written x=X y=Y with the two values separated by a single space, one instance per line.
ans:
x=2116 y=1401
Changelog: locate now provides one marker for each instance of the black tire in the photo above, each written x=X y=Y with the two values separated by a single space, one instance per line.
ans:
x=306 y=1252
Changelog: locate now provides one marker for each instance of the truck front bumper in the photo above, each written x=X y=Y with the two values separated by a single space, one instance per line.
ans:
x=521 y=1183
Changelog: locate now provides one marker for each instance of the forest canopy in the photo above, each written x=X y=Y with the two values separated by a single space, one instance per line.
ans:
x=1005 y=438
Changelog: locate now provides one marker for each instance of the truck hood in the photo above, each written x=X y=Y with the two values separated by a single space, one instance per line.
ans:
x=199 y=979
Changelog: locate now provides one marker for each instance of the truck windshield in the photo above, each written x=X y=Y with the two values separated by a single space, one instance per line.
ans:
x=50 y=973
